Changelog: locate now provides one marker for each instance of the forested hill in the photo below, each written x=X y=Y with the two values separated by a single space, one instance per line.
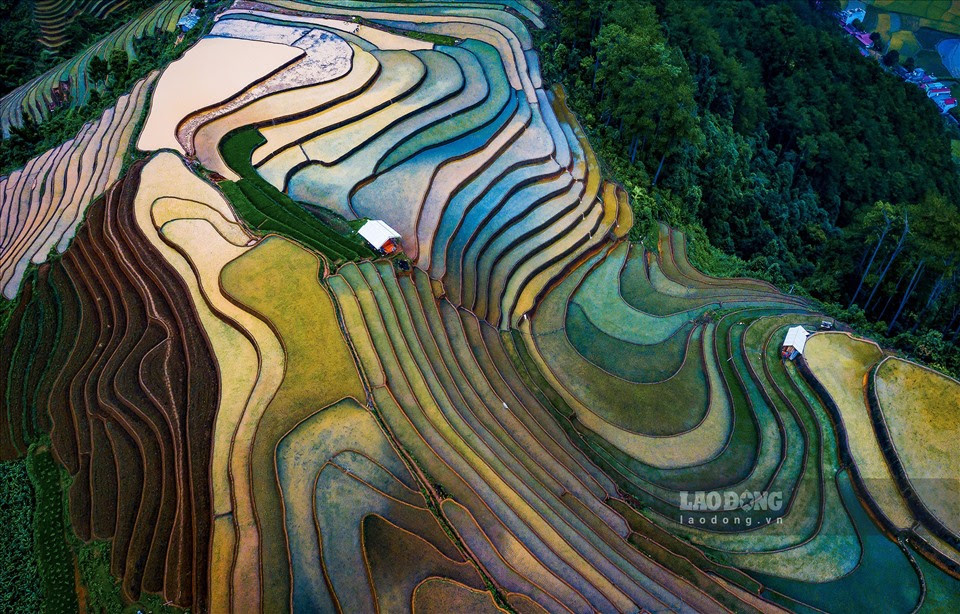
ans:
x=26 y=49
x=759 y=126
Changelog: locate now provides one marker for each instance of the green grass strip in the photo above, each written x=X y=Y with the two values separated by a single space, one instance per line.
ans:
x=19 y=577
x=267 y=209
x=54 y=557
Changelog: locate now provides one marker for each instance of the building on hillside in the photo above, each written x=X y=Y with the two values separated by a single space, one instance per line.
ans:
x=849 y=16
x=384 y=239
x=794 y=342
x=946 y=104
x=188 y=21
x=59 y=95
x=864 y=39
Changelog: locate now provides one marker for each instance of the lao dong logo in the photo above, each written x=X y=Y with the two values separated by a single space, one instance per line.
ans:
x=729 y=501
x=709 y=505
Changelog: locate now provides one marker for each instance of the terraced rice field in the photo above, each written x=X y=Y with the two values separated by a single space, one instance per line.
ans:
x=924 y=30
x=130 y=386
x=55 y=16
x=262 y=414
x=189 y=84
x=915 y=410
x=35 y=97
x=848 y=388
x=44 y=202
x=943 y=15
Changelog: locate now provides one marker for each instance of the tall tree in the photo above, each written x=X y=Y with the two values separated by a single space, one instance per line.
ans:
x=890 y=260
x=97 y=69
x=118 y=63
x=906 y=294
x=866 y=271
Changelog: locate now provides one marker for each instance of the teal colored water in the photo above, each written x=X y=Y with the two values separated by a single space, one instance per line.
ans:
x=884 y=580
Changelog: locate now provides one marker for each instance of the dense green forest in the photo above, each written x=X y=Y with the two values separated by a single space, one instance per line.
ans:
x=758 y=128
x=19 y=576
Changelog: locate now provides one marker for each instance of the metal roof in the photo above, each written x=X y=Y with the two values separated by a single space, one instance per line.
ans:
x=797 y=337
x=377 y=233
x=188 y=21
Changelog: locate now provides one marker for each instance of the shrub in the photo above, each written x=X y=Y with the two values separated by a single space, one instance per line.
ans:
x=55 y=559
x=19 y=577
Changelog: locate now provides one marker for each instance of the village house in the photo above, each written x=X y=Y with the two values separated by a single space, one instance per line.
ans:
x=794 y=342
x=381 y=237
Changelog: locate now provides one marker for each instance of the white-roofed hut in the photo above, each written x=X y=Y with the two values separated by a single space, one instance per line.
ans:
x=794 y=342
x=383 y=238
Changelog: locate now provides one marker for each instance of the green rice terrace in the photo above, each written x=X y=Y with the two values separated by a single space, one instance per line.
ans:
x=217 y=393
